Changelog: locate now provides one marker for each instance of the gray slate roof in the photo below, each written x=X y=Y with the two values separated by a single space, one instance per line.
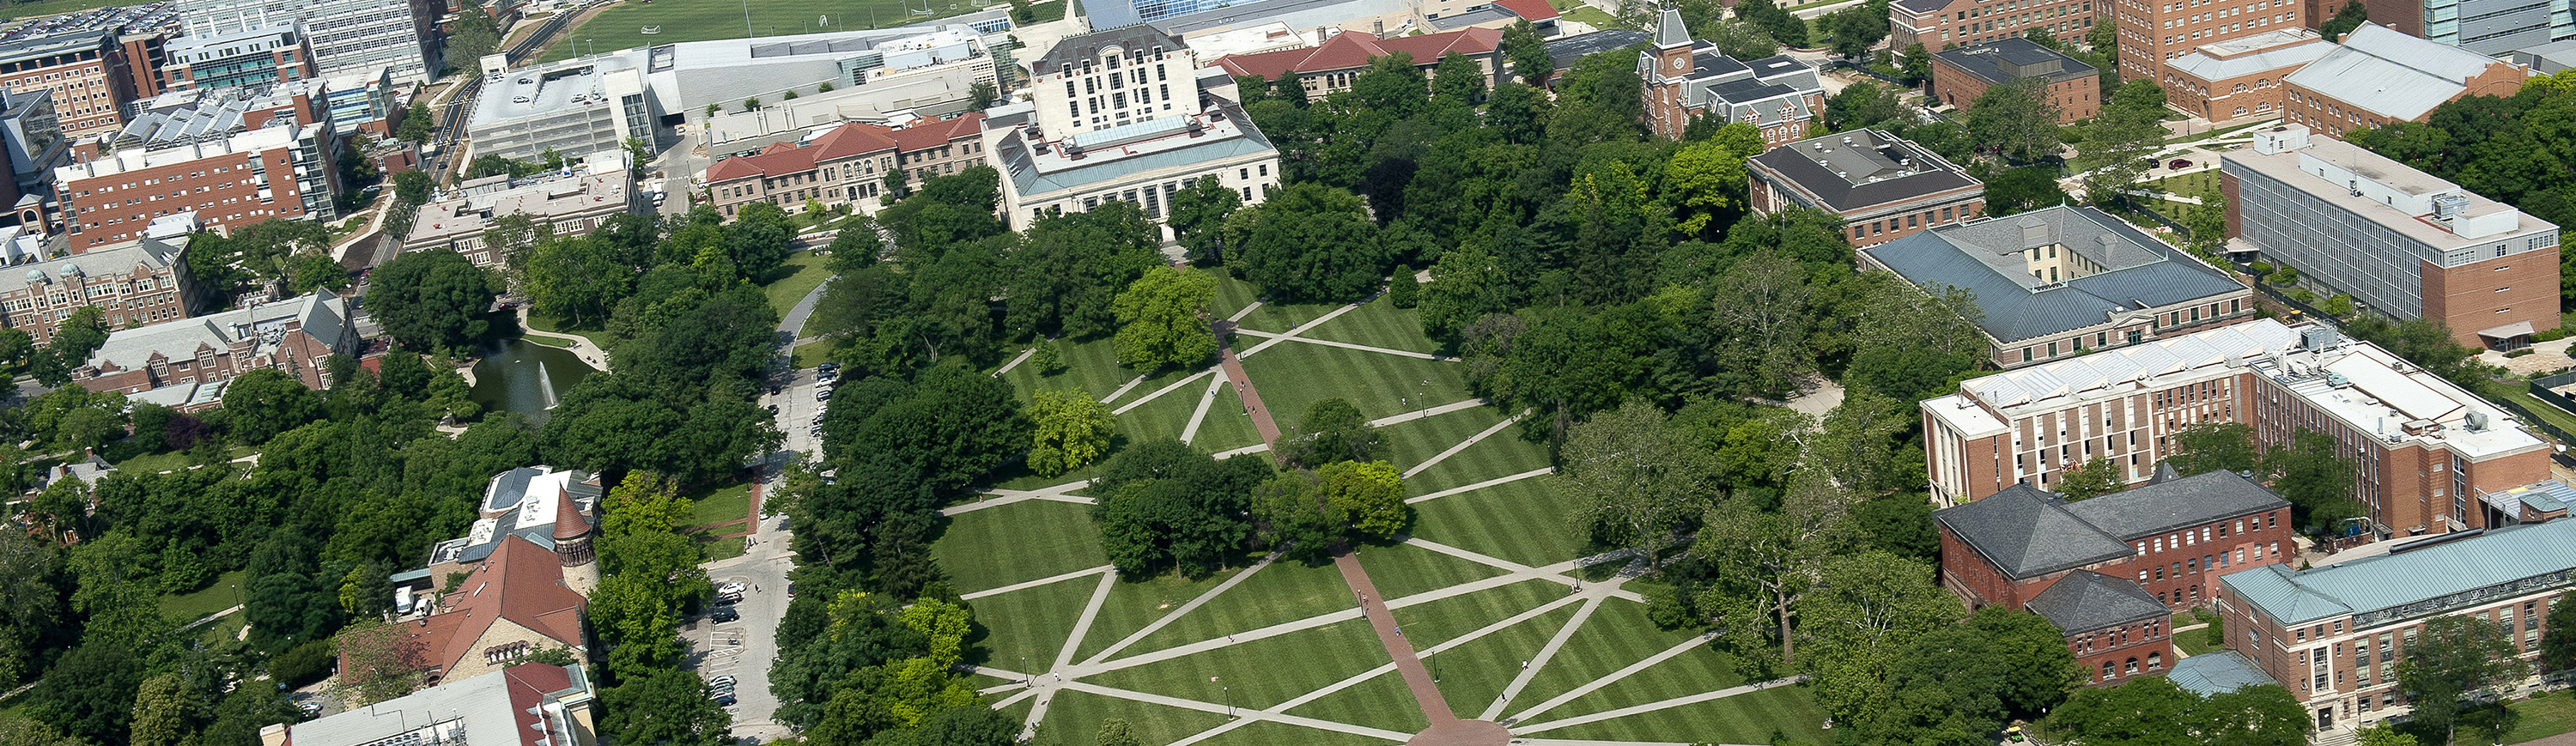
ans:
x=2406 y=577
x=1669 y=29
x=2217 y=672
x=324 y=315
x=1562 y=52
x=150 y=253
x=2156 y=508
x=2141 y=272
x=2026 y=533
x=1990 y=61
x=1874 y=176
x=2086 y=600
x=1136 y=37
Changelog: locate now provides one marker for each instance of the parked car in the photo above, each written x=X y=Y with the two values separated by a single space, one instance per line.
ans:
x=726 y=680
x=724 y=614
x=724 y=699
x=2179 y=163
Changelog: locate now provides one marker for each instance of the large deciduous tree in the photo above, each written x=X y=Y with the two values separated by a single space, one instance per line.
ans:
x=2313 y=474
x=1366 y=496
x=432 y=300
x=1070 y=268
x=1071 y=430
x=2456 y=658
x=1162 y=319
x=2015 y=120
x=1333 y=430
x=1198 y=219
x=1309 y=243
x=2213 y=446
x=1635 y=477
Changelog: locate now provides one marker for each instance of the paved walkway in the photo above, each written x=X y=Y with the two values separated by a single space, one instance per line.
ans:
x=1417 y=677
x=1232 y=365
x=582 y=347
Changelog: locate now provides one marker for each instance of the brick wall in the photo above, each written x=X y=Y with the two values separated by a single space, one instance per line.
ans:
x=2492 y=293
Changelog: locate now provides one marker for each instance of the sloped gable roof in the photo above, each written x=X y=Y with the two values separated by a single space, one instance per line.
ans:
x=2391 y=73
x=2026 y=533
x=927 y=135
x=2163 y=506
x=1533 y=11
x=2085 y=600
x=1351 y=49
x=849 y=139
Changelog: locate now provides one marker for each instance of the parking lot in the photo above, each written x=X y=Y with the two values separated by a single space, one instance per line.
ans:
x=744 y=648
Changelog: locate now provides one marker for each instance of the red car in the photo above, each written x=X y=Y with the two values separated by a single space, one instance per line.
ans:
x=2179 y=163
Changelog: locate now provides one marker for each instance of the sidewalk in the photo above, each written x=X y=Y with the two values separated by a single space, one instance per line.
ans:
x=582 y=347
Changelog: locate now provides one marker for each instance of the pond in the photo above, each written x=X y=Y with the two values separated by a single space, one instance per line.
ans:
x=517 y=375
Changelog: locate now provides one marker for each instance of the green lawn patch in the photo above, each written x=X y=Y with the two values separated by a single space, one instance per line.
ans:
x=155 y=463
x=722 y=549
x=2187 y=185
x=1165 y=416
x=1293 y=375
x=622 y=26
x=1403 y=570
x=2543 y=716
x=1074 y=719
x=1027 y=626
x=1091 y=367
x=1285 y=591
x=1433 y=623
x=790 y=283
x=1227 y=426
x=1751 y=717
x=548 y=341
x=1616 y=637
x=1259 y=673
x=58 y=7
x=2194 y=642
x=1526 y=522
x=2548 y=412
x=1380 y=702
x=1018 y=543
x=1592 y=16
x=729 y=503
x=813 y=353
x=1500 y=455
x=1377 y=324
x=1412 y=442
x=1278 y=318
x=1136 y=602
x=226 y=592
x=1273 y=733
x=1231 y=294
x=1473 y=675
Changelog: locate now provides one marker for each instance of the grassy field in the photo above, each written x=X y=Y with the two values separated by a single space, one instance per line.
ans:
x=2547 y=411
x=792 y=281
x=1260 y=673
x=2543 y=716
x=730 y=503
x=989 y=549
x=1473 y=675
x=2188 y=185
x=1617 y=635
x=1293 y=375
x=1524 y=521
x=1413 y=442
x=1027 y=627
x=42 y=8
x=1135 y=603
x=1285 y=591
x=1593 y=16
x=1074 y=719
x=811 y=353
x=226 y=592
x=1752 y=717
x=621 y=26
x=1404 y=570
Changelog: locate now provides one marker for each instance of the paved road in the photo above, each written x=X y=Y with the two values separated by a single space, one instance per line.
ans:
x=745 y=648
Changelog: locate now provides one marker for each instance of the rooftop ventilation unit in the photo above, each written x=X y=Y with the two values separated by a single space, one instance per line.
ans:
x=2449 y=206
x=2337 y=379
x=2316 y=338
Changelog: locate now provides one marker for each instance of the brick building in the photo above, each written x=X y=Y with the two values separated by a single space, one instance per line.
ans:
x=1944 y=24
x=2424 y=451
x=846 y=164
x=185 y=363
x=256 y=57
x=1332 y=65
x=2153 y=33
x=2333 y=634
x=86 y=71
x=1883 y=188
x=1959 y=76
x=143 y=282
x=2059 y=281
x=533 y=703
x=2380 y=76
x=568 y=205
x=512 y=605
x=2398 y=240
x=281 y=170
x=1687 y=79
x=2110 y=570
x=2240 y=78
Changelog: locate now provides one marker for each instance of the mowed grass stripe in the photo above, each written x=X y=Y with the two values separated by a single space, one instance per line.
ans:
x=996 y=547
x=1410 y=443
x=1380 y=702
x=1278 y=318
x=1260 y=673
x=1472 y=675
x=1403 y=570
x=1227 y=426
x=1293 y=376
x=677 y=21
x=1028 y=625
x=1231 y=294
x=1500 y=455
x=1136 y=602
x=1074 y=719
x=1617 y=636
x=1751 y=717
x=1273 y=733
x=1433 y=623
x=1286 y=591
x=1527 y=521
x=1377 y=324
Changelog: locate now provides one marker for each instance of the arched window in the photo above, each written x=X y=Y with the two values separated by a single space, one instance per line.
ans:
x=2109 y=670
x=2263 y=106
x=2155 y=661
x=2240 y=111
x=2132 y=668
x=2240 y=88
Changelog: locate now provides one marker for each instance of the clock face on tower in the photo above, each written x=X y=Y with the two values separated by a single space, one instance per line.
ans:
x=1677 y=64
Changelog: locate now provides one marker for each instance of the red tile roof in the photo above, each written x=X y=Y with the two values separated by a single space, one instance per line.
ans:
x=1530 y=10
x=926 y=135
x=850 y=139
x=521 y=582
x=1349 y=50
